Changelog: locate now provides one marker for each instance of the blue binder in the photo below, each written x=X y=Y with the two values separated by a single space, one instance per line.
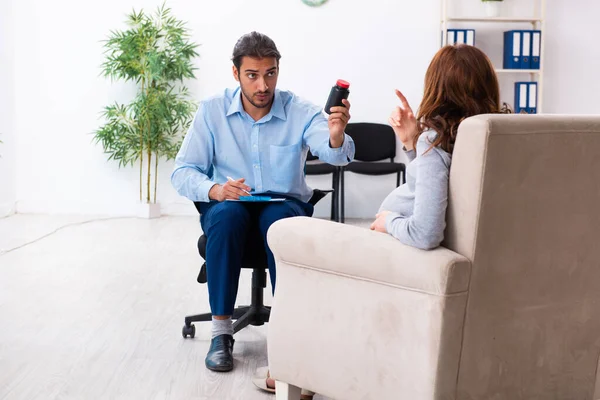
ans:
x=525 y=50
x=470 y=37
x=460 y=36
x=532 y=95
x=521 y=97
x=451 y=37
x=512 y=50
x=536 y=49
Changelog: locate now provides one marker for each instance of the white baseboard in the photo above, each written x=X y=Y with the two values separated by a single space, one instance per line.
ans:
x=185 y=208
x=129 y=208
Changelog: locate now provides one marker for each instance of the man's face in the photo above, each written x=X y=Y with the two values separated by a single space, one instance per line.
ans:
x=258 y=79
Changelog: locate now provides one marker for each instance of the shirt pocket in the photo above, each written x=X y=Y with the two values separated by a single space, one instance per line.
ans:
x=285 y=166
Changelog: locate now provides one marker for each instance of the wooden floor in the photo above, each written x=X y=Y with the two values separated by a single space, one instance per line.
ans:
x=94 y=310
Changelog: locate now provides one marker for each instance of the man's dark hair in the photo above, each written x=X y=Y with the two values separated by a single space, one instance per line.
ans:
x=255 y=45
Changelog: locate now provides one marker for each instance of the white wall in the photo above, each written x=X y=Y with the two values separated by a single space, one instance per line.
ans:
x=573 y=64
x=7 y=155
x=376 y=45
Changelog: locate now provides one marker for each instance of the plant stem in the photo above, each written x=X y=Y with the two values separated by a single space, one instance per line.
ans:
x=150 y=148
x=155 y=175
x=141 y=176
x=149 y=175
x=141 y=131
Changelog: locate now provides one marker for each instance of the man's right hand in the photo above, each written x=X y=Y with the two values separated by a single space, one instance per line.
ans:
x=404 y=123
x=230 y=190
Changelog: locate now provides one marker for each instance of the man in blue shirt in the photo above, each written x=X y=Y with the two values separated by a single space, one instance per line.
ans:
x=252 y=139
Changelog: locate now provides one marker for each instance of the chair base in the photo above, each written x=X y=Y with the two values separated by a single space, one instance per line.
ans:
x=255 y=315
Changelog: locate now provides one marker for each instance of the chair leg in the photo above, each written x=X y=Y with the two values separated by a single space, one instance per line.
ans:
x=337 y=195
x=332 y=214
x=335 y=182
x=244 y=320
x=285 y=391
x=198 y=318
x=342 y=197
x=265 y=313
x=240 y=312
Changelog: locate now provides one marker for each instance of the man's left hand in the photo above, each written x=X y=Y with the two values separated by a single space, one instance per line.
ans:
x=338 y=119
x=379 y=223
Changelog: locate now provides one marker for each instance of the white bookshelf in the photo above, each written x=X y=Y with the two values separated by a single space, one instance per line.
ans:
x=537 y=22
x=494 y=19
x=518 y=71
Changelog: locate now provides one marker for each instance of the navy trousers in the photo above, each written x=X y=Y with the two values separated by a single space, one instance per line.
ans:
x=227 y=225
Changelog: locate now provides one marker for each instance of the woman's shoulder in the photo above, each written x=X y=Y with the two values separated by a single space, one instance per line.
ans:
x=427 y=137
x=425 y=146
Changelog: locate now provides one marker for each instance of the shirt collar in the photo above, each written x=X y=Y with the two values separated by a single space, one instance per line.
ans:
x=236 y=103
x=277 y=109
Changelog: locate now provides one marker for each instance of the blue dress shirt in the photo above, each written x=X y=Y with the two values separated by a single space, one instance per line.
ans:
x=270 y=153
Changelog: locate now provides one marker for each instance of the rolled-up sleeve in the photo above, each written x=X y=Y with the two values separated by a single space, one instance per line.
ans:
x=192 y=174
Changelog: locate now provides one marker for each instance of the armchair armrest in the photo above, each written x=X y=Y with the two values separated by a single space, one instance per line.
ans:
x=364 y=254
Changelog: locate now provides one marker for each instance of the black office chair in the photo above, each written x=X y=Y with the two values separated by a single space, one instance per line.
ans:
x=312 y=168
x=255 y=257
x=373 y=142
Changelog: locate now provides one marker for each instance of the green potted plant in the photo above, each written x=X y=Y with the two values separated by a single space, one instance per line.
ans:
x=492 y=7
x=155 y=53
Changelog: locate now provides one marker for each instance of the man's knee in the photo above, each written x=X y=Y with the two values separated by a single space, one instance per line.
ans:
x=280 y=211
x=228 y=214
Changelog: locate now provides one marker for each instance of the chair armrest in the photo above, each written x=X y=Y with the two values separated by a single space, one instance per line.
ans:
x=364 y=254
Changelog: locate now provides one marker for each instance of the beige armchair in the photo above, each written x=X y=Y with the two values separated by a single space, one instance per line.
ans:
x=509 y=308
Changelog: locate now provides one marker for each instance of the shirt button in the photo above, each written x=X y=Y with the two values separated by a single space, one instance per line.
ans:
x=256 y=166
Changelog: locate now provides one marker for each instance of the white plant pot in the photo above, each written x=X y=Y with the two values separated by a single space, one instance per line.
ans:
x=148 y=210
x=492 y=8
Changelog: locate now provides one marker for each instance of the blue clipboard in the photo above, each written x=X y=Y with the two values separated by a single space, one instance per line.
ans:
x=257 y=199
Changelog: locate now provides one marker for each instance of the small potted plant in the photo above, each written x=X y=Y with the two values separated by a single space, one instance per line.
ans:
x=492 y=7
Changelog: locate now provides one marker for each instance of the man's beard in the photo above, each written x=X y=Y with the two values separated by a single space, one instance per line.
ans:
x=249 y=98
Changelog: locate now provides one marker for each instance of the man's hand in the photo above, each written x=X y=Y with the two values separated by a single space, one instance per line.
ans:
x=379 y=223
x=230 y=190
x=338 y=119
x=404 y=123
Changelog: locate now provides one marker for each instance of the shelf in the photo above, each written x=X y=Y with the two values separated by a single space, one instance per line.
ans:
x=535 y=18
x=493 y=19
x=518 y=71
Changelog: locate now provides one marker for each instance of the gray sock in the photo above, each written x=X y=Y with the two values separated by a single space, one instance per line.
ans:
x=222 y=327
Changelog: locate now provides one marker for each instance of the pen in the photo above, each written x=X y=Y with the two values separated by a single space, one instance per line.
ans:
x=230 y=179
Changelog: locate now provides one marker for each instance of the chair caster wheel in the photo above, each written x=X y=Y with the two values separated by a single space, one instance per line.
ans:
x=188 y=331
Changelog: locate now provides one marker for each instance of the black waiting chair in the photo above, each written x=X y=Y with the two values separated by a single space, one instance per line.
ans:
x=313 y=168
x=255 y=258
x=373 y=142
